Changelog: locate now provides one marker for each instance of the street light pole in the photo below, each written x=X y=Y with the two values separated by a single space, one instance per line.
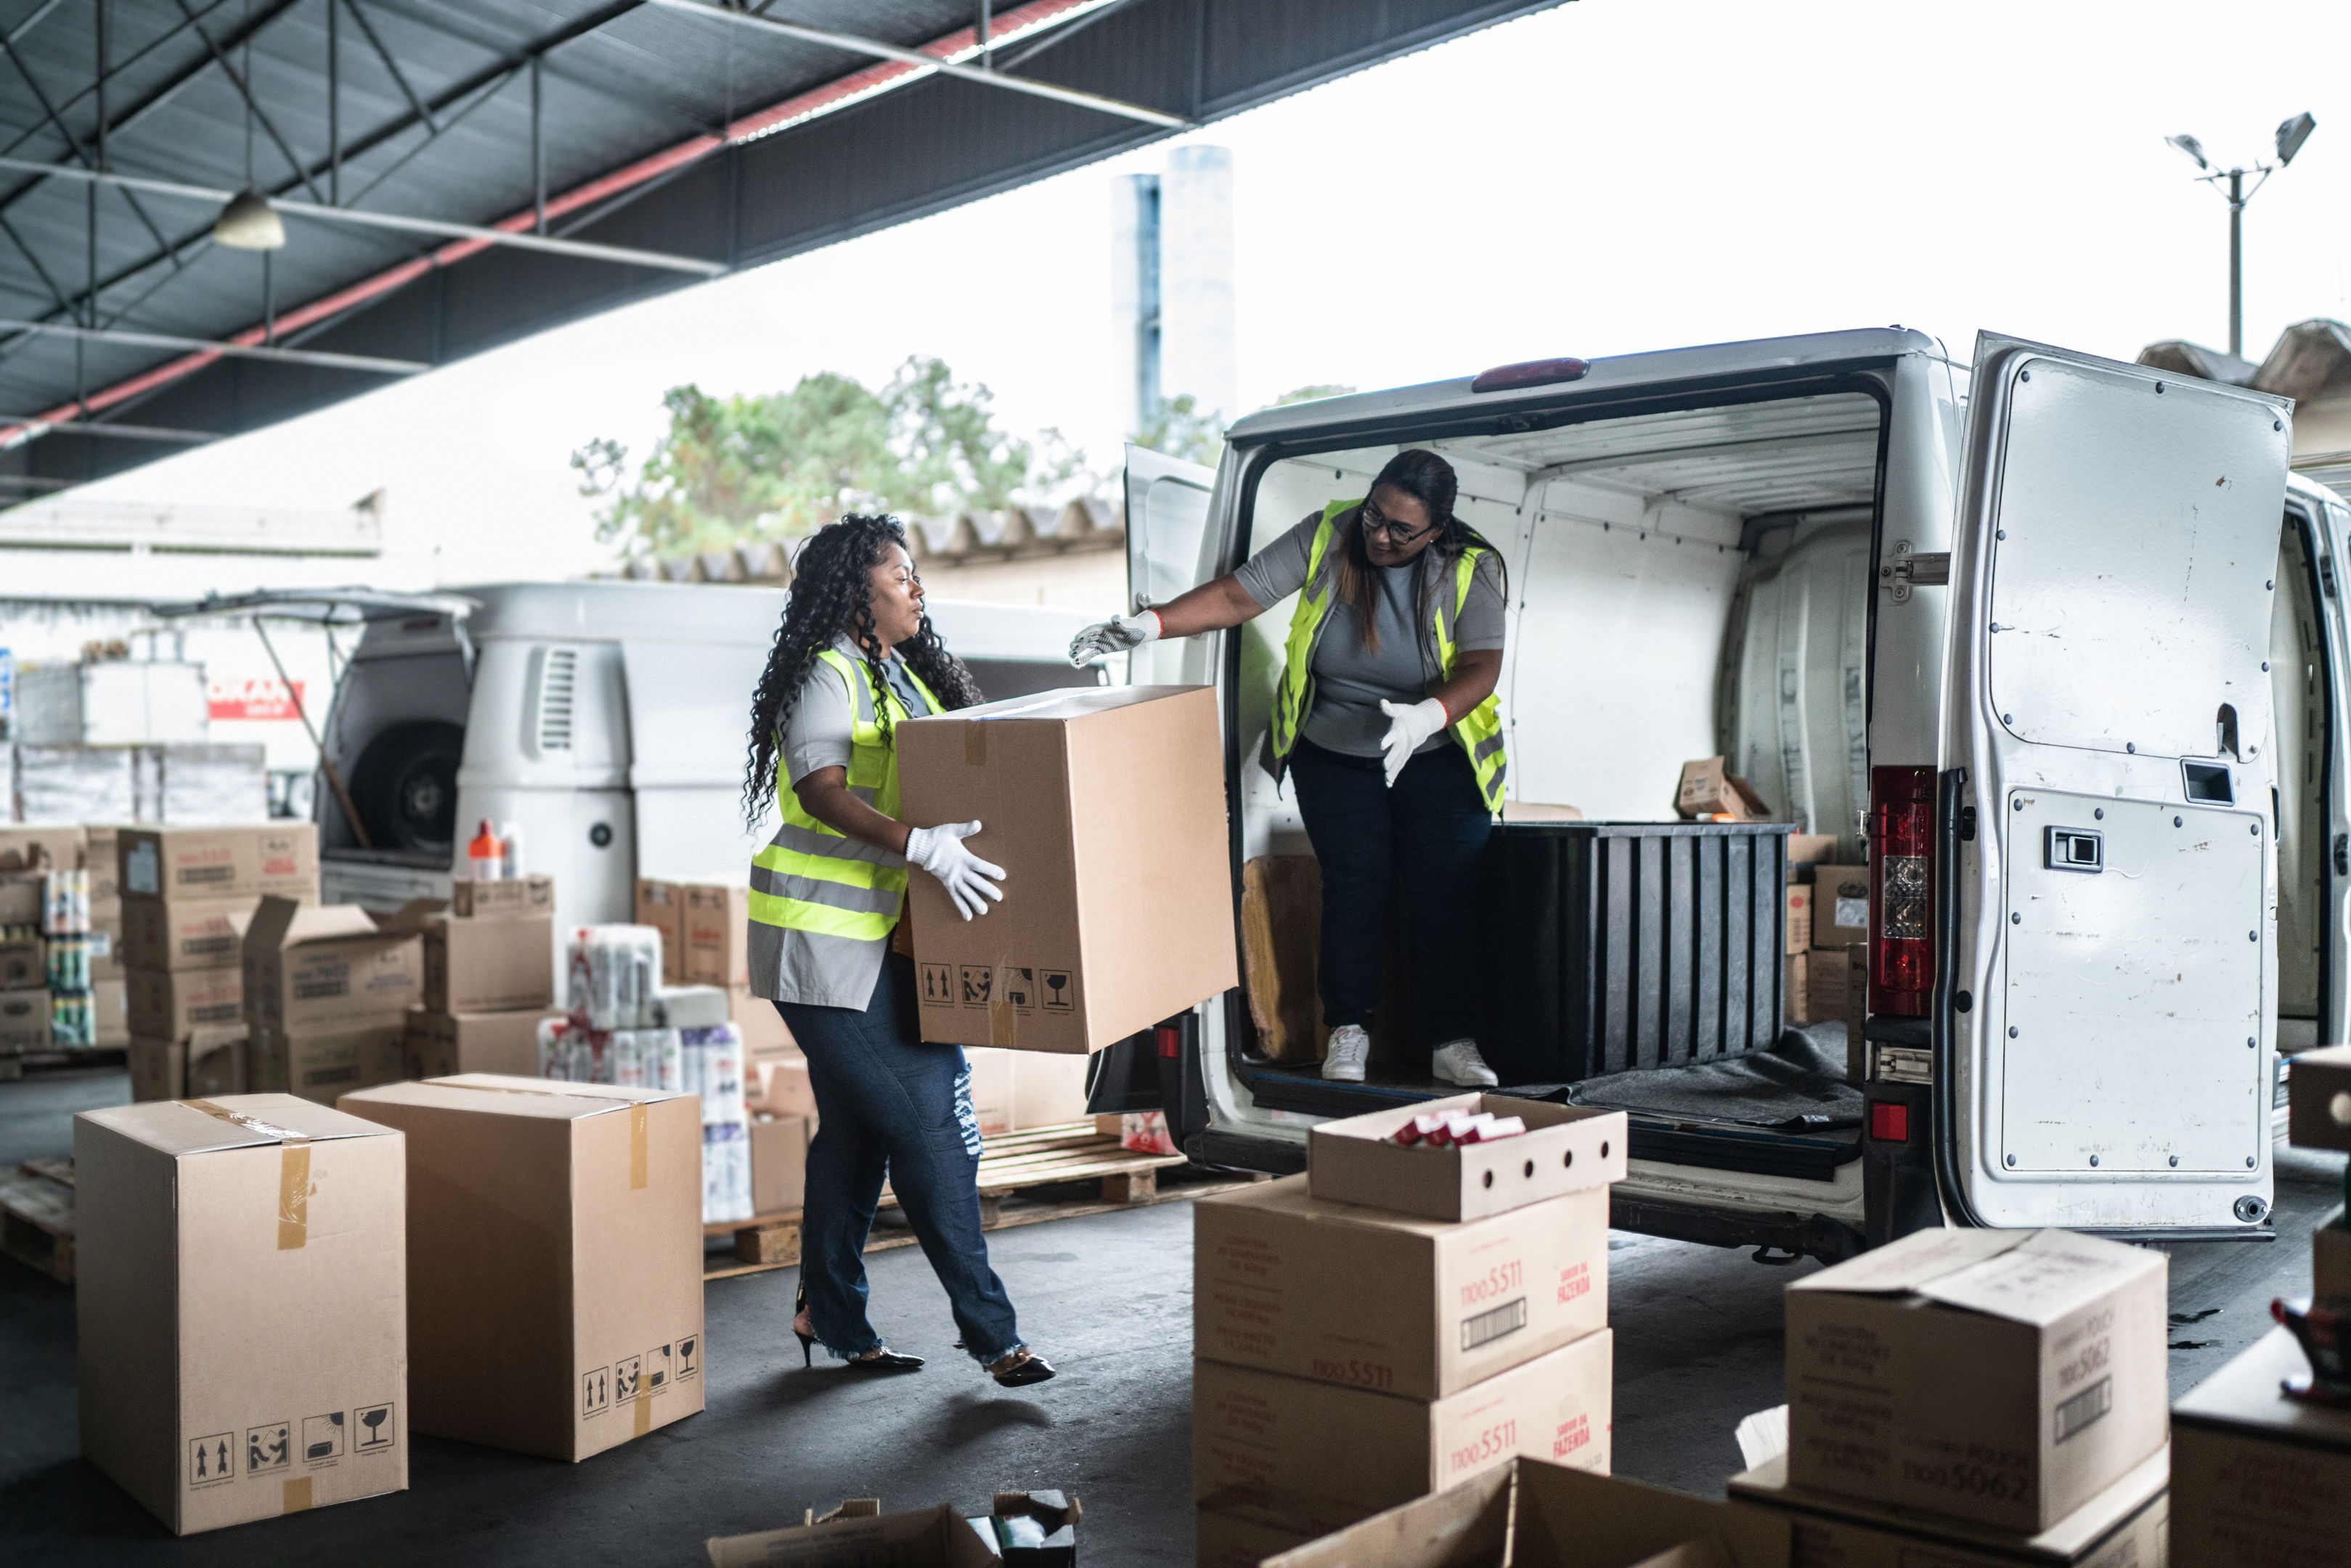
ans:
x=2290 y=138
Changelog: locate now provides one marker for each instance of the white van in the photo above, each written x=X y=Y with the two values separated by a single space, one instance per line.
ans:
x=607 y=721
x=2054 y=641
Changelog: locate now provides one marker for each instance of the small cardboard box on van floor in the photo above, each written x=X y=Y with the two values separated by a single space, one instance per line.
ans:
x=1422 y=1308
x=2001 y=1376
x=241 y=1306
x=1531 y=1514
x=1374 y=1450
x=1106 y=804
x=554 y=1259
x=1565 y=1148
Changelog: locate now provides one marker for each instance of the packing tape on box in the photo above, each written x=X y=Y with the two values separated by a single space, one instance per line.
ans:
x=637 y=1120
x=297 y=1494
x=645 y=1416
x=1000 y=1026
x=975 y=745
x=293 y=1171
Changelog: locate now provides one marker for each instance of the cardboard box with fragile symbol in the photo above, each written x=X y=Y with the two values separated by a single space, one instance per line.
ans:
x=1105 y=805
x=241 y=1331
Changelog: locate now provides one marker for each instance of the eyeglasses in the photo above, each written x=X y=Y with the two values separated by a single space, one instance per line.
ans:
x=1375 y=521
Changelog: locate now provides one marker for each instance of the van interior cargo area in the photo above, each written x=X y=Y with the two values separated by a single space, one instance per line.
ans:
x=1685 y=583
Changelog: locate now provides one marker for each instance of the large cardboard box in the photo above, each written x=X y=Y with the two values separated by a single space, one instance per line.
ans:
x=779 y=1163
x=1106 y=808
x=1240 y=1527
x=991 y=1088
x=1796 y=928
x=21 y=897
x=158 y=1070
x=2318 y=1108
x=776 y=1087
x=495 y=965
x=2256 y=1478
x=717 y=933
x=1012 y=1091
x=185 y=932
x=662 y=905
x=61 y=846
x=1295 y=1434
x=166 y=1004
x=26 y=1022
x=102 y=858
x=240 y=1306
x=554 y=1259
x=313 y=969
x=1529 y=1514
x=2002 y=1376
x=442 y=1045
x=24 y=962
x=1831 y=986
x=2122 y=1527
x=1840 y=905
x=470 y=899
x=1287 y=1282
x=764 y=1034
x=109 y=1011
x=1565 y=1148
x=220 y=863
x=328 y=1063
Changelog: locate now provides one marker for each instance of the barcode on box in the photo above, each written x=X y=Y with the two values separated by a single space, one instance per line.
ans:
x=1493 y=1323
x=2086 y=1408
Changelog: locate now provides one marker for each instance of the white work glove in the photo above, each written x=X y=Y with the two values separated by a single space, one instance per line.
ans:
x=1409 y=724
x=1120 y=635
x=964 y=875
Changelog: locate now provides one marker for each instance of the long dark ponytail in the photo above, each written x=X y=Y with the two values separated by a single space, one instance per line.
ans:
x=832 y=594
x=1428 y=479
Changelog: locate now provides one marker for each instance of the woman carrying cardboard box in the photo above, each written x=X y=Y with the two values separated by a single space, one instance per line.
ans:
x=855 y=656
x=1387 y=715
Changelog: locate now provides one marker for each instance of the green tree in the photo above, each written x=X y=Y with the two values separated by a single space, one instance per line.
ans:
x=1178 y=429
x=744 y=467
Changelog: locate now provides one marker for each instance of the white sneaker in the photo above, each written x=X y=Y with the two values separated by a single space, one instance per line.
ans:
x=1342 y=1061
x=1459 y=1063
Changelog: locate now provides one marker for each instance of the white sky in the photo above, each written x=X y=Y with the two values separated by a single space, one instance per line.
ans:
x=1607 y=177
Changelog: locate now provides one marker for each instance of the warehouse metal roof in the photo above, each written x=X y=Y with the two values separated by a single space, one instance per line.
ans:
x=454 y=174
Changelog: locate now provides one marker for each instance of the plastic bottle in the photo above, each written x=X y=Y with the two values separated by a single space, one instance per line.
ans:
x=511 y=835
x=484 y=854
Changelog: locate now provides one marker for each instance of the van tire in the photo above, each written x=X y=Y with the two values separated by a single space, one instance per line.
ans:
x=405 y=785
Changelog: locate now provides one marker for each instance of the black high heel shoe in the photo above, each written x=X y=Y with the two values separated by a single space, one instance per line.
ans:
x=881 y=1360
x=1026 y=1368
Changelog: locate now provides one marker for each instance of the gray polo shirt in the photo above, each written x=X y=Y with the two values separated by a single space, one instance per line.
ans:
x=1350 y=679
x=818 y=733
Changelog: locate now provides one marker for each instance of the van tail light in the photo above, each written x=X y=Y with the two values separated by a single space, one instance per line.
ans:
x=1902 y=891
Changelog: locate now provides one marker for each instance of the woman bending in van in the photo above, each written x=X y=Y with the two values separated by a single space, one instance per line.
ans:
x=1387 y=716
x=854 y=658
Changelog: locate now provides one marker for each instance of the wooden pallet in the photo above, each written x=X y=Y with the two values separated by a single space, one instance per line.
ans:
x=1013 y=1163
x=37 y=1216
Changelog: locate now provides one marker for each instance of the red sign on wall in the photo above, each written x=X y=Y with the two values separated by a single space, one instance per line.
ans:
x=252 y=699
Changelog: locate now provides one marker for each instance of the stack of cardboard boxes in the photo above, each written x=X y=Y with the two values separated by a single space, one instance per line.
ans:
x=1976 y=1399
x=60 y=928
x=188 y=896
x=1827 y=973
x=2261 y=1475
x=1398 y=1320
x=489 y=978
x=705 y=928
x=327 y=995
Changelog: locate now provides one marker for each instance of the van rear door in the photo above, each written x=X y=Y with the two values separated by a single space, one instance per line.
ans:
x=2107 y=993
x=1166 y=552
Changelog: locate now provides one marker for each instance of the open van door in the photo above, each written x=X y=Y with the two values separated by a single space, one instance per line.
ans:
x=2105 y=999
x=1166 y=538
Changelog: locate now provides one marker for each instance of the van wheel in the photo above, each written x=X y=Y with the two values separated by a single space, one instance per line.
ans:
x=405 y=785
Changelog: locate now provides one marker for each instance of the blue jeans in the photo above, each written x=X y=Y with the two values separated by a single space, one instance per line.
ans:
x=1423 y=839
x=890 y=1106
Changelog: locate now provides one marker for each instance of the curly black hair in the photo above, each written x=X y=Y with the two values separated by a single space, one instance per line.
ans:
x=831 y=594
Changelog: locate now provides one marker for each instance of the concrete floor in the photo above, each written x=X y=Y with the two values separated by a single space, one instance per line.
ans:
x=1106 y=1297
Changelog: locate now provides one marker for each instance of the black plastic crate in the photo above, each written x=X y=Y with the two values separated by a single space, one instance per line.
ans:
x=1627 y=945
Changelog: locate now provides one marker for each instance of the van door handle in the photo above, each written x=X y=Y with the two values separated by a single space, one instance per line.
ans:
x=2343 y=854
x=1906 y=572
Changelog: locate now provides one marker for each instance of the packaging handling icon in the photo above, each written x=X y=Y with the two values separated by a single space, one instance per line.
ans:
x=210 y=1461
x=322 y=1438
x=978 y=980
x=376 y=1434
x=657 y=1369
x=689 y=1359
x=628 y=1377
x=938 y=986
x=1020 y=988
x=595 y=1392
x=269 y=1447
x=1060 y=997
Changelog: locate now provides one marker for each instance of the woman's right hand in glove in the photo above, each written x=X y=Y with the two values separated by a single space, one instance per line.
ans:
x=1120 y=635
x=940 y=851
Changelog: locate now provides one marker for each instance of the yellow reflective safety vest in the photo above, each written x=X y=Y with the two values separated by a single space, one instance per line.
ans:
x=814 y=879
x=1479 y=731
